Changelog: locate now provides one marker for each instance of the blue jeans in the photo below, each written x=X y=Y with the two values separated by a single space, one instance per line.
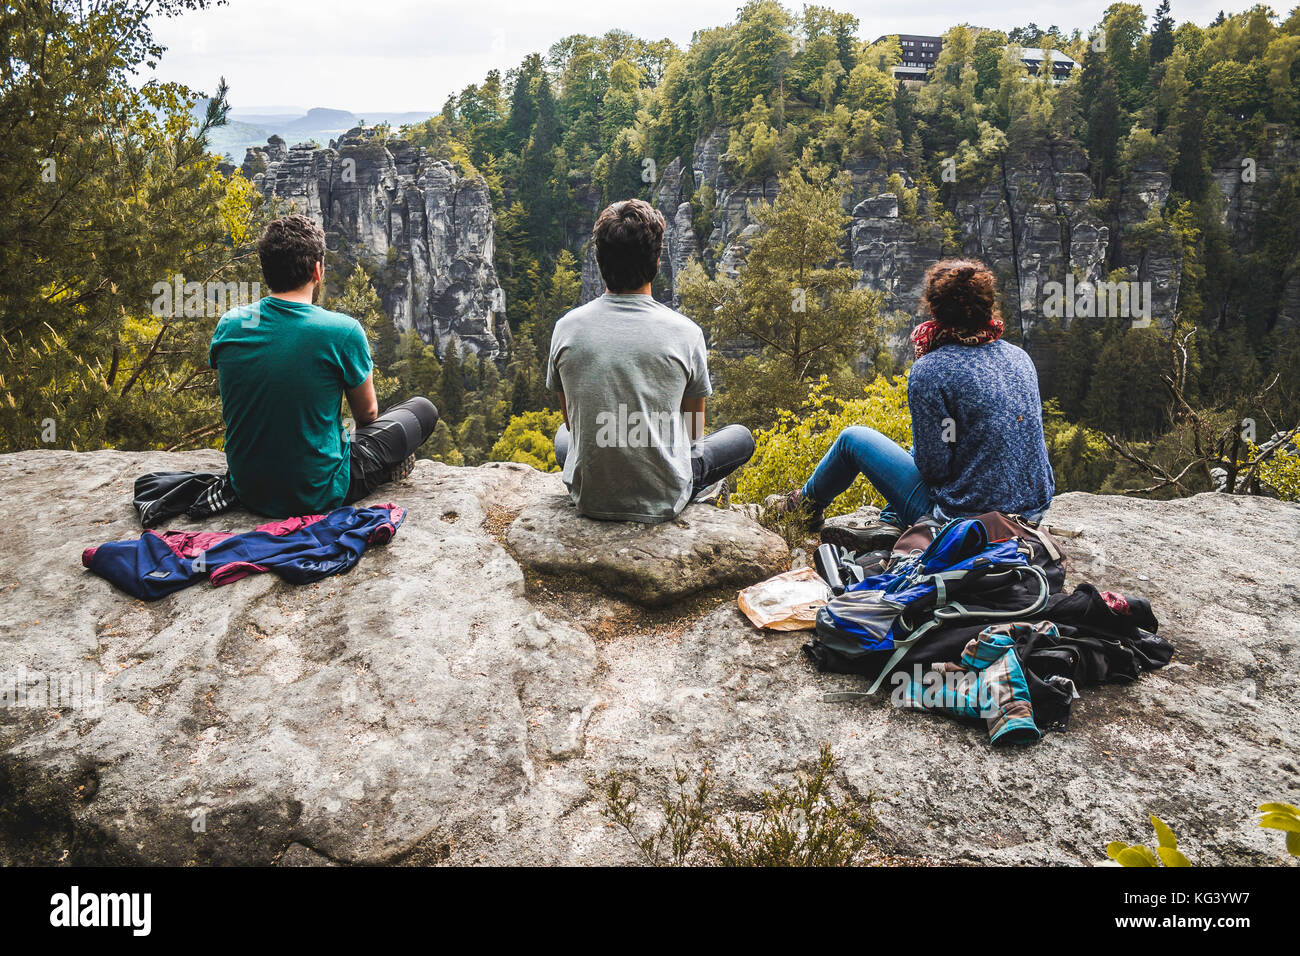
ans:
x=864 y=451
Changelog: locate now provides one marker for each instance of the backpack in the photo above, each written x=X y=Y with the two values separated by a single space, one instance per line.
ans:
x=990 y=568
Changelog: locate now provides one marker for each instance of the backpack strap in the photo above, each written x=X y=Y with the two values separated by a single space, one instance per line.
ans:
x=948 y=613
x=1045 y=539
x=900 y=648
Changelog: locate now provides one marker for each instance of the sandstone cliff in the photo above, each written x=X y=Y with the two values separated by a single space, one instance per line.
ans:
x=1034 y=216
x=428 y=229
x=443 y=703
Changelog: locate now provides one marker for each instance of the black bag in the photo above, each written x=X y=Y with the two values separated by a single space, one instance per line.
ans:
x=160 y=495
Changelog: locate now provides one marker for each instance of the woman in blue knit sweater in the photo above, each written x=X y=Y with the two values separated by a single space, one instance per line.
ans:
x=977 y=424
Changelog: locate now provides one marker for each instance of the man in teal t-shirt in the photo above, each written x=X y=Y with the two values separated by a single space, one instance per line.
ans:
x=284 y=366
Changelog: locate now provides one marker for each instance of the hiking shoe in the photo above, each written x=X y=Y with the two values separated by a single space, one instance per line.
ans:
x=717 y=494
x=877 y=536
x=793 y=504
x=403 y=469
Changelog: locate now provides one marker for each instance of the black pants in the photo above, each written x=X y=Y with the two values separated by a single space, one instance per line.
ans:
x=388 y=441
x=713 y=457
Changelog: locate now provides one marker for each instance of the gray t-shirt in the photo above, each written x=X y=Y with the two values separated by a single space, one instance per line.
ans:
x=624 y=363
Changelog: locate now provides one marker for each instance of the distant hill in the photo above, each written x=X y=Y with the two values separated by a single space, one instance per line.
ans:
x=266 y=119
x=321 y=118
x=319 y=125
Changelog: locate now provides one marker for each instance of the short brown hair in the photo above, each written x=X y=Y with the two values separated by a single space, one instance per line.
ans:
x=629 y=236
x=289 y=249
x=961 y=293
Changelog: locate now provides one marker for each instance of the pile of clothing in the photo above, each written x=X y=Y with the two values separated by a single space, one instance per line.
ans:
x=299 y=550
x=970 y=618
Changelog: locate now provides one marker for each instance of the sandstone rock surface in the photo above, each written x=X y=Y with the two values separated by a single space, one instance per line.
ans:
x=705 y=548
x=434 y=705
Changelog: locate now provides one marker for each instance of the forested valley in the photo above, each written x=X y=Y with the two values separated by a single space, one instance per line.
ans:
x=805 y=186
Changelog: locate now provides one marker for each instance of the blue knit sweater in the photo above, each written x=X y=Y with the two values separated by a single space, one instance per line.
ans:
x=977 y=430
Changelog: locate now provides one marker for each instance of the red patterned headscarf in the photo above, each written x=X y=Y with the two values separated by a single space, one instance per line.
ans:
x=930 y=335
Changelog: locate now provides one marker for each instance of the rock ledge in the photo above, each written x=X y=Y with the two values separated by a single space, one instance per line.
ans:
x=704 y=549
x=429 y=706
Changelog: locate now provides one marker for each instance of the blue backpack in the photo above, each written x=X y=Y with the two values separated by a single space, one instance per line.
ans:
x=960 y=576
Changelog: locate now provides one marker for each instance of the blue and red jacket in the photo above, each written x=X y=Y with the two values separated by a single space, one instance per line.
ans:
x=300 y=550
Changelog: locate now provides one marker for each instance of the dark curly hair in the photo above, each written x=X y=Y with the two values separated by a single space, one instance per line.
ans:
x=289 y=250
x=961 y=294
x=629 y=236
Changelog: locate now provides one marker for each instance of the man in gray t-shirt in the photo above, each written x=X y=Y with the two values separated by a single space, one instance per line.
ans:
x=633 y=376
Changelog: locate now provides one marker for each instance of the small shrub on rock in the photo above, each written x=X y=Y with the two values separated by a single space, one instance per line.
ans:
x=786 y=454
x=799 y=825
x=1166 y=851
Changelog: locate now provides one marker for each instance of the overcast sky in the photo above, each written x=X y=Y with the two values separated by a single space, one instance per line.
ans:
x=395 y=55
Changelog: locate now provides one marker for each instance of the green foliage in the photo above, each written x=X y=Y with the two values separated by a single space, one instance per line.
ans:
x=437 y=136
x=472 y=436
x=799 y=825
x=358 y=299
x=1274 y=816
x=1080 y=457
x=758 y=148
x=108 y=190
x=451 y=399
x=906 y=197
x=529 y=439
x=685 y=816
x=1284 y=817
x=793 y=298
x=441 y=446
x=416 y=367
x=1126 y=394
x=1165 y=853
x=703 y=204
x=786 y=454
x=753 y=62
x=1281 y=473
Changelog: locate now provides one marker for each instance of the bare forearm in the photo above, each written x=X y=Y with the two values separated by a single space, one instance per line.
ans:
x=362 y=401
x=693 y=415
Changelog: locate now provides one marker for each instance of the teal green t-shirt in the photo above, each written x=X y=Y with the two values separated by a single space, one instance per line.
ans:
x=282 y=368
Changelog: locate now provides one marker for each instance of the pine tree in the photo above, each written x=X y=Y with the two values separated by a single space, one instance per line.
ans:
x=523 y=105
x=1162 y=34
x=472 y=438
x=1104 y=131
x=525 y=372
x=441 y=446
x=452 y=404
x=795 y=298
x=542 y=179
x=417 y=369
x=359 y=300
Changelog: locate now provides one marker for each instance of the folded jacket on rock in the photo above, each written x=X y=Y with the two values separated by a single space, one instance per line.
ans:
x=299 y=550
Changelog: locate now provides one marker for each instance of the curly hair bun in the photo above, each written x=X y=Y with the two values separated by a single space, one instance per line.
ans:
x=961 y=293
